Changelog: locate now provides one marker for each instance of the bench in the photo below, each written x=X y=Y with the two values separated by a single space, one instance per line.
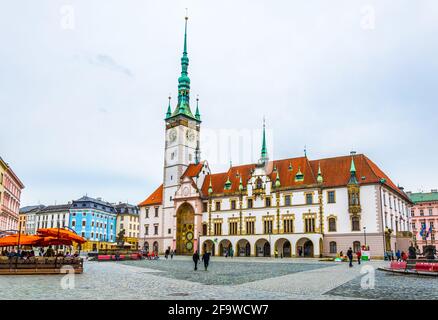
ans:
x=401 y=265
x=426 y=266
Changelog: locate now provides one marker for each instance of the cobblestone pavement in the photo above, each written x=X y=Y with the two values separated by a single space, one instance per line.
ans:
x=237 y=278
x=391 y=287
x=224 y=271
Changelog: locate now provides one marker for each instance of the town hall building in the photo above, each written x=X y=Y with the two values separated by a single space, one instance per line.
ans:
x=290 y=207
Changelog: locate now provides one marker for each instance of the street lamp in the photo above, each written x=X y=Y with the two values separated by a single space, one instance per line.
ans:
x=365 y=235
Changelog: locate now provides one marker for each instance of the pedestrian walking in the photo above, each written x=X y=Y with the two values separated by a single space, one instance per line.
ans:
x=196 y=259
x=359 y=256
x=350 y=256
x=166 y=253
x=172 y=252
x=206 y=259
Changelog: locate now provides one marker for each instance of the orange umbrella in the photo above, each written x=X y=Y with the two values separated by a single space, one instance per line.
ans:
x=12 y=240
x=53 y=241
x=61 y=233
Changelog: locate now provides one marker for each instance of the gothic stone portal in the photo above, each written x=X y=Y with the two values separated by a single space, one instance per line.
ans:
x=185 y=229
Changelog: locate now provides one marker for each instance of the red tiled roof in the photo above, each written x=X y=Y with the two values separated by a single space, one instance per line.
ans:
x=193 y=170
x=335 y=172
x=155 y=198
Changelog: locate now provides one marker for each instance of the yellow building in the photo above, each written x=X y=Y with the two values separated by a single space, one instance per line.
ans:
x=22 y=222
x=128 y=220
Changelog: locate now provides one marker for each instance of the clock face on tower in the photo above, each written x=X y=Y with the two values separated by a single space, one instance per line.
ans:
x=190 y=135
x=172 y=135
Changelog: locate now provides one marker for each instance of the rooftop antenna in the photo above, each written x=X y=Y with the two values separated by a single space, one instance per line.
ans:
x=305 y=150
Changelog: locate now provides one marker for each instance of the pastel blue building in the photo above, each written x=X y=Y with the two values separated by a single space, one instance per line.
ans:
x=94 y=220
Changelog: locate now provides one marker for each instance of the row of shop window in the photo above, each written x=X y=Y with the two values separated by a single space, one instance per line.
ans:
x=268 y=203
x=288 y=227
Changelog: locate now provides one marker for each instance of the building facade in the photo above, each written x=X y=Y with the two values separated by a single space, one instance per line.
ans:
x=292 y=207
x=10 y=194
x=30 y=218
x=56 y=216
x=95 y=220
x=128 y=220
x=424 y=219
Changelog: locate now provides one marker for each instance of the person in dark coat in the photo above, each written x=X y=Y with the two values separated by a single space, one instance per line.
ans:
x=350 y=256
x=412 y=252
x=206 y=259
x=196 y=259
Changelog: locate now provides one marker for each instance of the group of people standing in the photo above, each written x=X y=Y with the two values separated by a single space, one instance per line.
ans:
x=205 y=259
x=169 y=252
x=350 y=256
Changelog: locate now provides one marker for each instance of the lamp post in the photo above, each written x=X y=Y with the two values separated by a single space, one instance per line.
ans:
x=199 y=242
x=365 y=235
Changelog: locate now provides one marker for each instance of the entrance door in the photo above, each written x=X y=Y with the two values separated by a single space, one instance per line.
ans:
x=267 y=249
x=247 y=249
x=286 y=249
x=308 y=249
x=185 y=225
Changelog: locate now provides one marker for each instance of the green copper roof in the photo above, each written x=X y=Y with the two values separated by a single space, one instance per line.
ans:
x=423 y=196
x=240 y=184
x=228 y=184
x=169 y=110
x=210 y=188
x=299 y=176
x=197 y=114
x=353 y=167
x=353 y=179
x=277 y=181
x=319 y=179
x=183 y=105
x=264 y=153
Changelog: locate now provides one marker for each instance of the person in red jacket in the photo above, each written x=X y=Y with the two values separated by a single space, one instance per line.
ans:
x=359 y=255
x=404 y=256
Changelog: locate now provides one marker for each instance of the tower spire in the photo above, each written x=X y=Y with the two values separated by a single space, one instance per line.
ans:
x=320 y=179
x=197 y=114
x=353 y=178
x=183 y=104
x=264 y=153
x=169 y=110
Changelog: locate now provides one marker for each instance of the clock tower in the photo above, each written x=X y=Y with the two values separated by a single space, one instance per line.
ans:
x=182 y=136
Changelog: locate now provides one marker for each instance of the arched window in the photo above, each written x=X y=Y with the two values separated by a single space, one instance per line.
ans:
x=356 y=246
x=333 y=247
x=355 y=199
x=355 y=224
x=155 y=245
x=332 y=224
x=259 y=183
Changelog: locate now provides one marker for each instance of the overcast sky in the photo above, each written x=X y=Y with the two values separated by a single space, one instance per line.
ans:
x=84 y=86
